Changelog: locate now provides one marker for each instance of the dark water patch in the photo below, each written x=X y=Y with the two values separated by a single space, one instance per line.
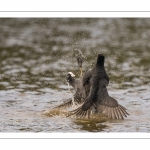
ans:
x=94 y=124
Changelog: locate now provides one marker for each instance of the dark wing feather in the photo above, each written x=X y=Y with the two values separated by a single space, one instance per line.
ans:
x=114 y=110
x=79 y=112
x=66 y=104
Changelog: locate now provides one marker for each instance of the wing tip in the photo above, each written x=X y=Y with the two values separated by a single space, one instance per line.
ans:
x=118 y=112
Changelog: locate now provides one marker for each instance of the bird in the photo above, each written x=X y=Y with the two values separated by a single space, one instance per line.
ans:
x=98 y=98
x=79 y=95
x=77 y=84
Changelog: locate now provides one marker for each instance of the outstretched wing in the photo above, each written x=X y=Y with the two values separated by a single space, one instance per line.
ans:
x=110 y=107
x=80 y=113
x=66 y=104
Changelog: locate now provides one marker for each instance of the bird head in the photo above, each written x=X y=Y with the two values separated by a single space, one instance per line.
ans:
x=70 y=76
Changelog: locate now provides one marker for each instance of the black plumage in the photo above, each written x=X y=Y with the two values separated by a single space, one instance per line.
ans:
x=79 y=95
x=77 y=84
x=95 y=82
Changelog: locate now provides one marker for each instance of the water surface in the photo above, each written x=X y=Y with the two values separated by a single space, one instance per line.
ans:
x=36 y=54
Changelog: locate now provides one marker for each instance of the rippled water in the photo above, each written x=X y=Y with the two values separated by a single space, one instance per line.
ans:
x=36 y=54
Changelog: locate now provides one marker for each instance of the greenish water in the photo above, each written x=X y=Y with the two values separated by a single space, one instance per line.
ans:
x=36 y=54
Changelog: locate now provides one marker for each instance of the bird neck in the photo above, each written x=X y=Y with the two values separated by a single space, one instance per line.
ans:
x=99 y=67
x=100 y=60
x=100 y=63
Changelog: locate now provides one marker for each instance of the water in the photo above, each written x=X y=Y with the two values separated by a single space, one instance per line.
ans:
x=36 y=54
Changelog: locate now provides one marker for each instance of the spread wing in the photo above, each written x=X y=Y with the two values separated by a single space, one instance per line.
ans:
x=80 y=113
x=66 y=104
x=110 y=107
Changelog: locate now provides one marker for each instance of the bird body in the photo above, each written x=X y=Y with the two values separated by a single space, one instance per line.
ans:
x=98 y=96
x=98 y=80
x=91 y=92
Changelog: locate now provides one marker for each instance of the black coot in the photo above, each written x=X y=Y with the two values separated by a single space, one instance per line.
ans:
x=95 y=81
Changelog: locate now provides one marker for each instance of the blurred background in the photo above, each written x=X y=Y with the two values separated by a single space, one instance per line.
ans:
x=36 y=54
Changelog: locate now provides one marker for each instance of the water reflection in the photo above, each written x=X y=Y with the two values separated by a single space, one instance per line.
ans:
x=94 y=124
